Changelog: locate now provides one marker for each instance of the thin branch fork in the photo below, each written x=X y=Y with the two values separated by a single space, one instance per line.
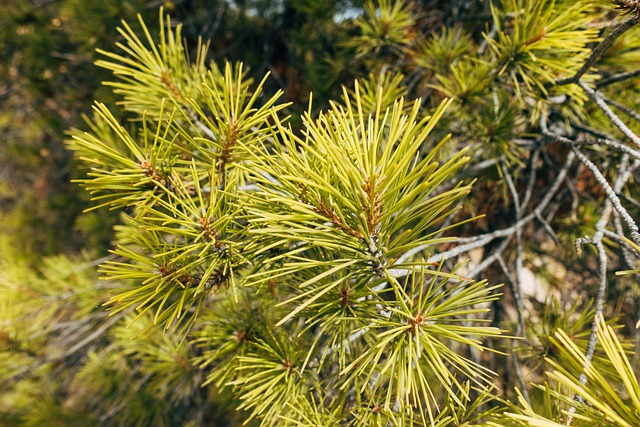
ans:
x=517 y=280
x=620 y=106
x=602 y=291
x=470 y=243
x=629 y=254
x=514 y=358
x=619 y=238
x=597 y=98
x=598 y=133
x=617 y=78
x=624 y=172
x=483 y=239
x=597 y=52
x=619 y=147
x=611 y=196
x=490 y=259
x=610 y=192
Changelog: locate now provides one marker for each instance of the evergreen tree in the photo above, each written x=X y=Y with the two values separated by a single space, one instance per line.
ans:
x=279 y=263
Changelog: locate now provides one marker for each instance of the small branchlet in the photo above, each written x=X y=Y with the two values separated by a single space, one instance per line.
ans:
x=332 y=216
x=152 y=172
x=210 y=234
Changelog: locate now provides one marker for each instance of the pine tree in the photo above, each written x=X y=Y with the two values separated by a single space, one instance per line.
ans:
x=280 y=264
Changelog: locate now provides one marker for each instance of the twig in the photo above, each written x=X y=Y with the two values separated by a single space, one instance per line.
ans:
x=595 y=132
x=628 y=252
x=532 y=179
x=555 y=206
x=70 y=351
x=517 y=289
x=602 y=290
x=95 y=334
x=597 y=98
x=548 y=229
x=620 y=147
x=192 y=116
x=611 y=194
x=489 y=260
x=623 y=175
x=628 y=111
x=630 y=199
x=514 y=358
x=599 y=50
x=617 y=78
x=483 y=239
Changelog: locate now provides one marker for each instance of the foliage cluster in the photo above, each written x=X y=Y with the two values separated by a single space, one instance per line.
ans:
x=283 y=264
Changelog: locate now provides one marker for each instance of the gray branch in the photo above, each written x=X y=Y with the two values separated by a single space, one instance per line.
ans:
x=617 y=78
x=597 y=52
x=597 y=98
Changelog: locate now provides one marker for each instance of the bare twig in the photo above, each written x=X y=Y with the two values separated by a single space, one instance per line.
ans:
x=490 y=259
x=617 y=78
x=474 y=242
x=597 y=52
x=630 y=199
x=517 y=280
x=611 y=196
x=595 y=132
x=89 y=338
x=593 y=338
x=535 y=156
x=629 y=254
x=623 y=176
x=599 y=305
x=620 y=106
x=547 y=228
x=514 y=358
x=620 y=147
x=597 y=98
x=71 y=350
x=192 y=116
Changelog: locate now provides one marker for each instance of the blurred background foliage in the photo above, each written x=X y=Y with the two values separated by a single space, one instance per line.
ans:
x=434 y=48
x=48 y=81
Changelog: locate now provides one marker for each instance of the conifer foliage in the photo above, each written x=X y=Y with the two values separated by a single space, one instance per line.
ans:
x=228 y=203
x=282 y=268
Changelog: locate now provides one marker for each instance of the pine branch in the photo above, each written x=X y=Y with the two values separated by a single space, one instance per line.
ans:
x=517 y=281
x=597 y=98
x=470 y=243
x=611 y=194
x=597 y=52
x=620 y=77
